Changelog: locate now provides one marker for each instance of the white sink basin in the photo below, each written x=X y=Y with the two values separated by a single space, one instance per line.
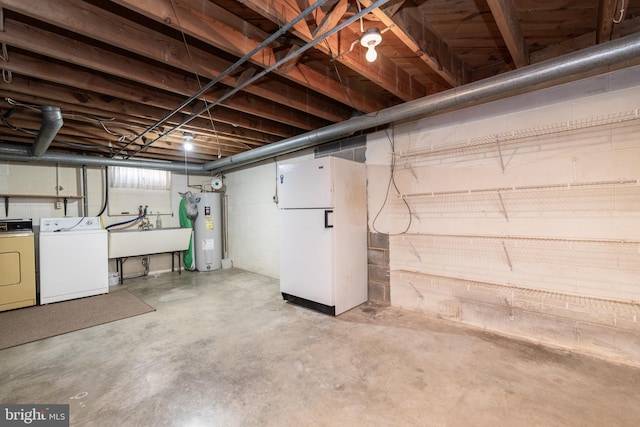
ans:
x=126 y=243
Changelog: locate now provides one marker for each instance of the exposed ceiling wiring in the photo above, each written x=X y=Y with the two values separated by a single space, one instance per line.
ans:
x=275 y=65
x=100 y=120
x=355 y=42
x=225 y=73
x=335 y=67
x=5 y=120
x=195 y=72
x=619 y=20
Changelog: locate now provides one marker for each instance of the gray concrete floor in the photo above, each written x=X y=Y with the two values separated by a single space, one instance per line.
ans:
x=223 y=349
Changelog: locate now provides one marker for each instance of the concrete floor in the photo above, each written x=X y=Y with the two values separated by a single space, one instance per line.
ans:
x=223 y=349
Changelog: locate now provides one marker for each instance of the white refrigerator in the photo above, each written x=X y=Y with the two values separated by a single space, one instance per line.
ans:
x=323 y=233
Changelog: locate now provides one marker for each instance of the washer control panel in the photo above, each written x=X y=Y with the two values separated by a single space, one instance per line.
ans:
x=70 y=224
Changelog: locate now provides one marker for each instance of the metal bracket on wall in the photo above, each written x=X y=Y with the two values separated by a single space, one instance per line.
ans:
x=413 y=172
x=504 y=209
x=412 y=212
x=506 y=253
x=500 y=154
x=415 y=251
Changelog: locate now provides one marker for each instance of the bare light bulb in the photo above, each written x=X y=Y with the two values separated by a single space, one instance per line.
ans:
x=371 y=55
x=370 y=39
x=187 y=146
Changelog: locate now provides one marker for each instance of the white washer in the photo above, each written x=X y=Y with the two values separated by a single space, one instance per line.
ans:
x=73 y=258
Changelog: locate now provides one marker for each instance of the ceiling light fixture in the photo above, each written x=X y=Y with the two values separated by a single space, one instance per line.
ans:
x=187 y=137
x=370 y=39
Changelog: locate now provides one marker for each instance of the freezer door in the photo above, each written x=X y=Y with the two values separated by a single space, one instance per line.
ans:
x=306 y=256
x=305 y=184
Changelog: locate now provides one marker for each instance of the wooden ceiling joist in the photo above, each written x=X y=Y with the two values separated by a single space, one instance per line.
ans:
x=79 y=53
x=386 y=74
x=217 y=27
x=139 y=62
x=606 y=16
x=105 y=88
x=505 y=14
x=90 y=21
x=422 y=39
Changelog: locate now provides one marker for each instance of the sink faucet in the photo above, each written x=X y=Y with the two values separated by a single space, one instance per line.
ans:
x=145 y=224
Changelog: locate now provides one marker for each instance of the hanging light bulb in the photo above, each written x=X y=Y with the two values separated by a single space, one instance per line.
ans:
x=370 y=39
x=371 y=55
x=187 y=137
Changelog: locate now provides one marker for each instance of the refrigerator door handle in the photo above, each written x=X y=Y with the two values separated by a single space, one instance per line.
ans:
x=326 y=218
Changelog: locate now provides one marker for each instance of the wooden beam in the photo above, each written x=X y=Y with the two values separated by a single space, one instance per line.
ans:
x=626 y=27
x=288 y=66
x=410 y=27
x=330 y=20
x=505 y=14
x=96 y=105
x=62 y=48
x=95 y=137
x=78 y=125
x=78 y=81
x=606 y=14
x=89 y=20
x=214 y=25
x=385 y=73
x=566 y=46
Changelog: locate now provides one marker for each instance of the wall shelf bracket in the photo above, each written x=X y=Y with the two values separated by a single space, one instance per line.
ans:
x=506 y=253
x=504 y=209
x=413 y=172
x=500 y=154
x=415 y=251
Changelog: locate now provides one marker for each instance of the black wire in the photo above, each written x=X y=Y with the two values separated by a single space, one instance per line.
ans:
x=106 y=191
x=392 y=181
x=59 y=141
x=335 y=67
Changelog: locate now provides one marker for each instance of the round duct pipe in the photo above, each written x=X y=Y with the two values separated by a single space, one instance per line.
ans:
x=51 y=124
x=20 y=154
x=526 y=79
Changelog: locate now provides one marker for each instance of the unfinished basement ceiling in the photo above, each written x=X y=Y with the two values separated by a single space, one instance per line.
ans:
x=117 y=68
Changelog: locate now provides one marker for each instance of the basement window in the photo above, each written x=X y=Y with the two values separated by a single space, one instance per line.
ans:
x=130 y=188
x=142 y=179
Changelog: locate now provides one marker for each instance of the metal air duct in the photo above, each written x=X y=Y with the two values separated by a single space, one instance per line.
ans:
x=16 y=153
x=51 y=124
x=522 y=80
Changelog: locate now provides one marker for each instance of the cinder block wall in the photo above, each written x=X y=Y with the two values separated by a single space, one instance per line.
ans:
x=378 y=257
x=522 y=215
x=17 y=178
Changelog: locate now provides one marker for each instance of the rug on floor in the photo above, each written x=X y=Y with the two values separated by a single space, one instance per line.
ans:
x=30 y=324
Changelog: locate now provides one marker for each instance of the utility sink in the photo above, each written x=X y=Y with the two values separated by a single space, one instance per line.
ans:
x=126 y=243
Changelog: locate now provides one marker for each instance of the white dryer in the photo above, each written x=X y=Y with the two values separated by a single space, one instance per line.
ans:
x=73 y=258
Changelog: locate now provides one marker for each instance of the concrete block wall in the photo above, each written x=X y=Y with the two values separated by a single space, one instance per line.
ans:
x=41 y=179
x=353 y=149
x=536 y=238
x=253 y=229
x=378 y=259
